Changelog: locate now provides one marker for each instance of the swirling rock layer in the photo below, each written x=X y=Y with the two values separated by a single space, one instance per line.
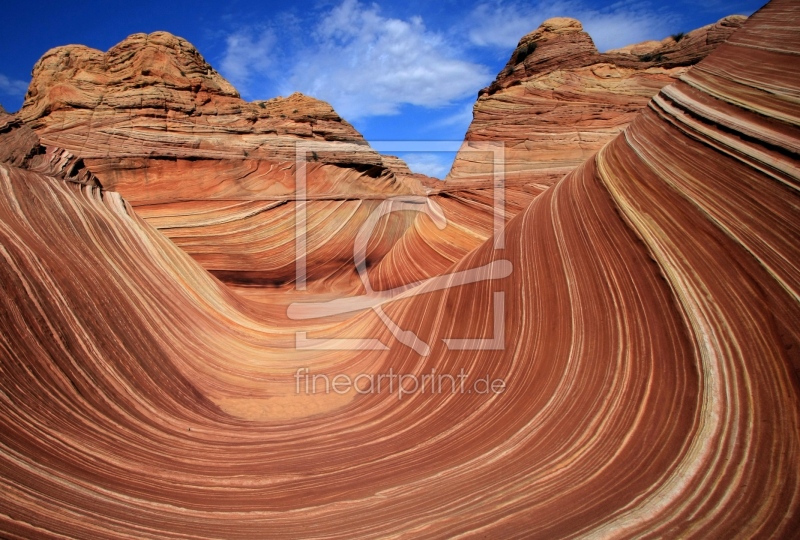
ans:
x=20 y=147
x=152 y=120
x=649 y=350
x=558 y=100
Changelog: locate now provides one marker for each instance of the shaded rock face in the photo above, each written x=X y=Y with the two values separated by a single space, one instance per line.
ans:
x=154 y=121
x=20 y=147
x=154 y=96
x=650 y=344
x=559 y=100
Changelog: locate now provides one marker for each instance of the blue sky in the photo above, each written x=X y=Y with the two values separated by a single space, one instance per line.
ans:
x=397 y=70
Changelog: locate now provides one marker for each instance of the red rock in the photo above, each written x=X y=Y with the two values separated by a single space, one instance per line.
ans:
x=152 y=120
x=20 y=147
x=650 y=353
x=558 y=100
x=154 y=97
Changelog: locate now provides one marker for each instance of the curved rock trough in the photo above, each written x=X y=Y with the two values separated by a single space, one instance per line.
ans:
x=635 y=323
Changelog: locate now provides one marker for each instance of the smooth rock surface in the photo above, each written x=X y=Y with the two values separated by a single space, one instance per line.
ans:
x=648 y=334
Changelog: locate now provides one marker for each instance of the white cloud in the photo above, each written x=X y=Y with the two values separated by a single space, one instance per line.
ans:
x=614 y=30
x=501 y=23
x=365 y=64
x=248 y=54
x=461 y=118
x=432 y=164
x=12 y=87
x=361 y=62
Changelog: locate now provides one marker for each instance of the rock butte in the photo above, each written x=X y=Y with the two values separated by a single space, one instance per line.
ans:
x=651 y=344
x=156 y=123
x=558 y=100
x=152 y=120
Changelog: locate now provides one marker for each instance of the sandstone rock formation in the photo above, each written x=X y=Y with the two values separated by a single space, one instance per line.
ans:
x=649 y=332
x=558 y=100
x=554 y=105
x=20 y=147
x=155 y=96
x=152 y=120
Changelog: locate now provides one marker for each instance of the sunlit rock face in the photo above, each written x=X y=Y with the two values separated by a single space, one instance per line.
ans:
x=648 y=335
x=558 y=100
x=152 y=120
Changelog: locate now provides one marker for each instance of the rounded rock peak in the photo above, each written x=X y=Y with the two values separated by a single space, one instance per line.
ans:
x=159 y=39
x=159 y=36
x=553 y=29
x=562 y=25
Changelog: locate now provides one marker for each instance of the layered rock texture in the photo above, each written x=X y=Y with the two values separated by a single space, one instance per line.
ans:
x=20 y=147
x=155 y=122
x=558 y=100
x=642 y=313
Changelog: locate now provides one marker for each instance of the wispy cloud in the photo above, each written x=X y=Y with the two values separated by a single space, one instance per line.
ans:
x=12 y=87
x=249 y=54
x=462 y=117
x=618 y=29
x=367 y=64
x=502 y=23
x=363 y=63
